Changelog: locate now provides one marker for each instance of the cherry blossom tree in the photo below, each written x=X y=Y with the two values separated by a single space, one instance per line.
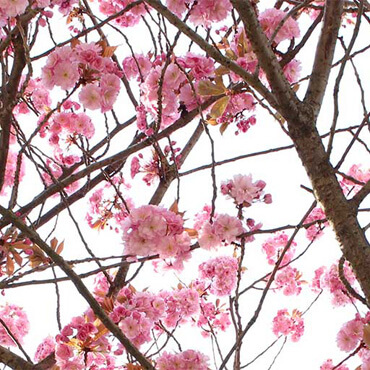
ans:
x=141 y=164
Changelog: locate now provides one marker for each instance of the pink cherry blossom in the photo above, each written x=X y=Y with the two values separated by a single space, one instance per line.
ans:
x=364 y=355
x=270 y=20
x=14 y=7
x=16 y=321
x=243 y=190
x=199 y=66
x=65 y=75
x=315 y=231
x=350 y=334
x=45 y=348
x=207 y=12
x=129 y=18
x=328 y=279
x=152 y=229
x=221 y=273
x=289 y=281
x=328 y=365
x=211 y=315
x=186 y=360
x=137 y=66
x=287 y=324
x=90 y=96
x=225 y=228
x=273 y=247
x=358 y=173
x=177 y=7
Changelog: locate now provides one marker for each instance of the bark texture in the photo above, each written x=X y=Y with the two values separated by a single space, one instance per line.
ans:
x=301 y=119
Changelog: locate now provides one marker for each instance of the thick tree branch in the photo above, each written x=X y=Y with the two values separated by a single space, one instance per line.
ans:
x=14 y=361
x=361 y=195
x=301 y=124
x=287 y=100
x=83 y=290
x=340 y=212
x=8 y=98
x=324 y=55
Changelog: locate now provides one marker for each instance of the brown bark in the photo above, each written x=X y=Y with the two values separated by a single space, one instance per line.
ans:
x=301 y=119
x=8 y=98
x=14 y=361
x=80 y=286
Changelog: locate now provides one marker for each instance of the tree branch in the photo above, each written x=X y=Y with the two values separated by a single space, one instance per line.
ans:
x=324 y=55
x=361 y=195
x=112 y=163
x=213 y=52
x=14 y=361
x=288 y=103
x=95 y=306
x=8 y=98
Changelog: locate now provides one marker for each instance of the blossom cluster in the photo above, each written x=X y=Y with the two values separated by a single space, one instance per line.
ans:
x=185 y=360
x=289 y=281
x=128 y=18
x=16 y=321
x=11 y=9
x=244 y=191
x=221 y=273
x=315 y=231
x=244 y=125
x=44 y=349
x=84 y=342
x=152 y=229
x=169 y=308
x=212 y=316
x=81 y=344
x=179 y=83
x=84 y=64
x=137 y=313
x=224 y=228
x=288 y=324
x=181 y=304
x=67 y=124
x=328 y=279
x=352 y=334
x=328 y=365
x=173 y=82
x=270 y=21
x=274 y=246
x=357 y=173
x=204 y=12
x=238 y=105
